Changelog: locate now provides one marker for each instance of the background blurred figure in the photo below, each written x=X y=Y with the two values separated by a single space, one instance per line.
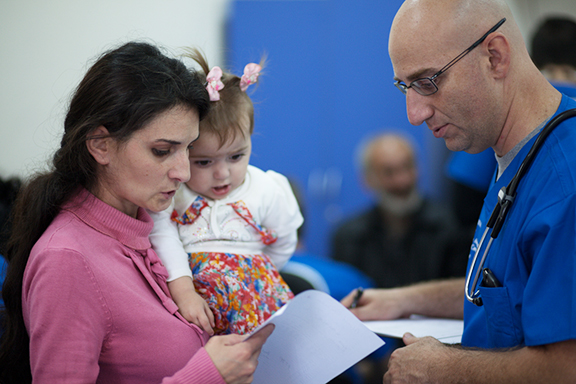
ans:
x=553 y=51
x=8 y=190
x=404 y=238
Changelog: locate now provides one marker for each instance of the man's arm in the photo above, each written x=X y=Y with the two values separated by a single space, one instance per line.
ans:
x=426 y=360
x=442 y=298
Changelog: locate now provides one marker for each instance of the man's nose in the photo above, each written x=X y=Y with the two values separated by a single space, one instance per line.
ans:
x=418 y=107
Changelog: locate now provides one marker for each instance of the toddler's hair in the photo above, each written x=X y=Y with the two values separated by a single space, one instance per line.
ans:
x=230 y=115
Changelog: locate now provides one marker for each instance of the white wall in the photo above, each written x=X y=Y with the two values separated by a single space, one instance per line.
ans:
x=46 y=47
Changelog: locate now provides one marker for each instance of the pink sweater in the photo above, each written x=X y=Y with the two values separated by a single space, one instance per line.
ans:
x=97 y=308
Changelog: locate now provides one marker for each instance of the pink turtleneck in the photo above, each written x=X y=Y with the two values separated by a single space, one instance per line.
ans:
x=97 y=308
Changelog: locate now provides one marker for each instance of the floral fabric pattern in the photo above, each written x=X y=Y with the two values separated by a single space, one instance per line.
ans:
x=241 y=290
x=191 y=214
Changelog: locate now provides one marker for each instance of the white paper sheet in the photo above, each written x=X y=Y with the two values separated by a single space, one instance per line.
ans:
x=448 y=331
x=315 y=339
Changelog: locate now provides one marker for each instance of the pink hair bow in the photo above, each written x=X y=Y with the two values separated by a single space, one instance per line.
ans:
x=214 y=83
x=250 y=76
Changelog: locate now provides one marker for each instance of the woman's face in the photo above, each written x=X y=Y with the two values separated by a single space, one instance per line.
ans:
x=147 y=170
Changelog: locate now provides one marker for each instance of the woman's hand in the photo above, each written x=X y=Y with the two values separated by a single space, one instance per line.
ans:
x=235 y=356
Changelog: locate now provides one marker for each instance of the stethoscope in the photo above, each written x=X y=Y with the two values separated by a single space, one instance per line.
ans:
x=506 y=197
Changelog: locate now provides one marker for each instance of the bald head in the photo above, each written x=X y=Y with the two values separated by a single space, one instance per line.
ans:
x=386 y=145
x=492 y=96
x=447 y=27
x=390 y=165
x=456 y=23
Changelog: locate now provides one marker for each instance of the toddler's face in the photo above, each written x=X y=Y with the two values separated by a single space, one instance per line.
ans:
x=215 y=172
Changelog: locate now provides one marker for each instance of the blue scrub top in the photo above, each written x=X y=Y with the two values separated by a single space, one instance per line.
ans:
x=569 y=89
x=477 y=170
x=534 y=256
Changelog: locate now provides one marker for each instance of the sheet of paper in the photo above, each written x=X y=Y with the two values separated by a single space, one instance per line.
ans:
x=448 y=331
x=314 y=340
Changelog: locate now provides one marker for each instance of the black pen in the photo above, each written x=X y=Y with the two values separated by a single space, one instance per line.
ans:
x=359 y=292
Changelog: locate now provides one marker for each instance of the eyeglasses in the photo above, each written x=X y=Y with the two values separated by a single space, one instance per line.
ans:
x=426 y=86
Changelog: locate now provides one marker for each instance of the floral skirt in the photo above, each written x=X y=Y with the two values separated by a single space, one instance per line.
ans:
x=242 y=291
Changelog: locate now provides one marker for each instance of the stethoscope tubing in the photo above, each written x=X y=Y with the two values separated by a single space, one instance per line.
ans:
x=506 y=197
x=473 y=295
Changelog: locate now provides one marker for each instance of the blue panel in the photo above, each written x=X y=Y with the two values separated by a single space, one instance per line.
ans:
x=327 y=85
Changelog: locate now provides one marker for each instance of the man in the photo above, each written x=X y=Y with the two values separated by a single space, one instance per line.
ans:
x=491 y=95
x=404 y=238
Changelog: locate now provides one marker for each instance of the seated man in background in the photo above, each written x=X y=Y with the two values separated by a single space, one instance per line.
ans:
x=404 y=238
x=306 y=270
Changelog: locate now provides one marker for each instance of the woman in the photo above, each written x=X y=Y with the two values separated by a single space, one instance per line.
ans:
x=86 y=297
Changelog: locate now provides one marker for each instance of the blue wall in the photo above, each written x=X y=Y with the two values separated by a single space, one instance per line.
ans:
x=327 y=85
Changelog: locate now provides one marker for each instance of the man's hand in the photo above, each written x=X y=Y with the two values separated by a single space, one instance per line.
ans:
x=423 y=360
x=441 y=298
x=376 y=304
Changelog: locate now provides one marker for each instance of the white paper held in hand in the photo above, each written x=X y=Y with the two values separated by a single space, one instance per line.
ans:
x=314 y=340
x=448 y=331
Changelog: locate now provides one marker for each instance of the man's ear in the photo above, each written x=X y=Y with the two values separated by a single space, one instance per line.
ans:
x=99 y=145
x=499 y=50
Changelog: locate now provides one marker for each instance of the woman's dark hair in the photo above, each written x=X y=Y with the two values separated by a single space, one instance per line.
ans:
x=124 y=90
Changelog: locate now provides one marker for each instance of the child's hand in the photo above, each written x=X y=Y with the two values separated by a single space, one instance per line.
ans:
x=191 y=305
x=196 y=310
